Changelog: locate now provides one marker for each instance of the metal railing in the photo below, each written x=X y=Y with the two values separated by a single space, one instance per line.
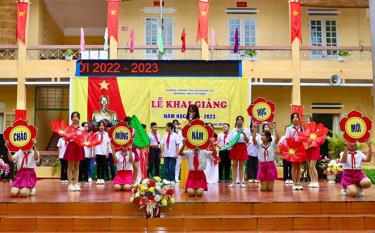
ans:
x=330 y=53
x=58 y=52
x=8 y=52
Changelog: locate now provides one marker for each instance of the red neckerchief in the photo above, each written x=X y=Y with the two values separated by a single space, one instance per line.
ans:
x=196 y=160
x=265 y=152
x=296 y=129
x=25 y=158
x=156 y=137
x=124 y=159
x=225 y=137
x=168 y=139
x=353 y=158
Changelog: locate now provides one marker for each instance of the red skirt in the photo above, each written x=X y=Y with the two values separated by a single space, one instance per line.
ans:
x=196 y=180
x=123 y=177
x=74 y=152
x=239 y=152
x=313 y=153
x=267 y=171
x=25 y=178
x=350 y=177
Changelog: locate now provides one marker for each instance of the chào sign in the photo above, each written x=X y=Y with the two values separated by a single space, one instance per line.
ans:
x=20 y=136
x=121 y=135
x=261 y=110
x=197 y=135
x=355 y=127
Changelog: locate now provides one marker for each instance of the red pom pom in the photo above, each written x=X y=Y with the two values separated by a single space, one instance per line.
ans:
x=170 y=192
x=151 y=183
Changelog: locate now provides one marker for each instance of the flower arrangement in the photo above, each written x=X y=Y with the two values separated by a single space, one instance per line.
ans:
x=152 y=194
x=4 y=168
x=331 y=166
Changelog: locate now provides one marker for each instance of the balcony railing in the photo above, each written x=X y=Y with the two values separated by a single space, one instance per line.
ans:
x=57 y=52
x=327 y=53
x=8 y=52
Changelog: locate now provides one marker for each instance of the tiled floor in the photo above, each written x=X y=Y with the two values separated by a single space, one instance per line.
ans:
x=50 y=190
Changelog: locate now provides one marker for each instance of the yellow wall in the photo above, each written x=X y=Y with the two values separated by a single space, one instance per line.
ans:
x=89 y=40
x=50 y=32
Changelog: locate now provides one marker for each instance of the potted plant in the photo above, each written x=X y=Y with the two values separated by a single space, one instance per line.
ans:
x=331 y=168
x=342 y=54
x=69 y=54
x=4 y=168
x=152 y=194
x=251 y=53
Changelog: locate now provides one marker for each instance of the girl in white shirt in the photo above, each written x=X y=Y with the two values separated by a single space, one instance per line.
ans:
x=25 y=180
x=124 y=176
x=101 y=153
x=353 y=179
x=196 y=182
x=61 y=145
x=267 y=172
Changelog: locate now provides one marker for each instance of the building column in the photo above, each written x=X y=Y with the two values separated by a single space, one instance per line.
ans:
x=296 y=73
x=112 y=48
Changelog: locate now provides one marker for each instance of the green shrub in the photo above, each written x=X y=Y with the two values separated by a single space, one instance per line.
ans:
x=370 y=174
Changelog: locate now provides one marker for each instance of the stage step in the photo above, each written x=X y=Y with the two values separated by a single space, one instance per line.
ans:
x=230 y=216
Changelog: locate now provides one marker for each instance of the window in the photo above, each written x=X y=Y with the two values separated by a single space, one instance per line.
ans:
x=323 y=33
x=52 y=98
x=152 y=25
x=246 y=29
x=9 y=119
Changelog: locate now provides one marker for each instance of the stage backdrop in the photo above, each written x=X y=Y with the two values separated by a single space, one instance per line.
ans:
x=161 y=100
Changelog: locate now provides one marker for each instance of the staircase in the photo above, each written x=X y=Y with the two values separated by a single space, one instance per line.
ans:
x=199 y=216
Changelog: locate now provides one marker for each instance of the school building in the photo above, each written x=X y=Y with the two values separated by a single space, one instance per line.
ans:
x=35 y=75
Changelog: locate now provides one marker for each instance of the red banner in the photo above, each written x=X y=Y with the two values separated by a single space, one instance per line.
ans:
x=19 y=114
x=298 y=109
x=203 y=9
x=183 y=40
x=22 y=9
x=104 y=100
x=112 y=18
x=295 y=21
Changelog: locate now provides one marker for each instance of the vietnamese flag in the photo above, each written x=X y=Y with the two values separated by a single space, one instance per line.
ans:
x=113 y=18
x=295 y=21
x=203 y=9
x=22 y=9
x=104 y=93
x=183 y=40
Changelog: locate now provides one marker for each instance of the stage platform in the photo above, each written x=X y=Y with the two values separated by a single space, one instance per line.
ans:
x=222 y=209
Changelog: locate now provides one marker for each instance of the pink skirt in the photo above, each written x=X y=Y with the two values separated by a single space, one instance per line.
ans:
x=350 y=177
x=25 y=178
x=123 y=177
x=239 y=152
x=267 y=171
x=196 y=180
x=74 y=152
x=313 y=153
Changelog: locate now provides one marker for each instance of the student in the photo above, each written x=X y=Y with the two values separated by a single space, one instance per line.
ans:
x=154 y=154
x=61 y=145
x=292 y=132
x=267 y=172
x=196 y=182
x=169 y=150
x=176 y=129
x=238 y=153
x=101 y=152
x=124 y=177
x=84 y=165
x=252 y=150
x=353 y=179
x=224 y=164
x=74 y=154
x=25 y=180
x=212 y=168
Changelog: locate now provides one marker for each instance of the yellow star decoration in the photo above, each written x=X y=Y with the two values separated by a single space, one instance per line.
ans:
x=21 y=13
x=104 y=85
x=295 y=13
x=203 y=13
x=113 y=12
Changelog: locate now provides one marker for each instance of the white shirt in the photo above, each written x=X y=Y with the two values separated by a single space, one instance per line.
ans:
x=61 y=144
x=291 y=132
x=18 y=157
x=263 y=156
x=102 y=148
x=234 y=132
x=252 y=150
x=174 y=140
x=153 y=141
x=121 y=162
x=359 y=156
x=222 y=141
x=203 y=155
x=87 y=152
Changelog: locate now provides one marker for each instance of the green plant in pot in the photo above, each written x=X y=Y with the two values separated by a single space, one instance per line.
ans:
x=342 y=54
x=251 y=53
x=69 y=54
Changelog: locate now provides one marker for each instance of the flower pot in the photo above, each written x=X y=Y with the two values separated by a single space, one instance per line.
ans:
x=331 y=179
x=252 y=58
x=68 y=57
x=152 y=212
x=340 y=58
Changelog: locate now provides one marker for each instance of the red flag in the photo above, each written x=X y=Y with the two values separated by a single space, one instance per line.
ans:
x=112 y=18
x=298 y=109
x=203 y=9
x=295 y=21
x=183 y=39
x=19 y=114
x=104 y=100
x=22 y=8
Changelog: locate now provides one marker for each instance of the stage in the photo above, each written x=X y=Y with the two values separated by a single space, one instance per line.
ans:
x=100 y=209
